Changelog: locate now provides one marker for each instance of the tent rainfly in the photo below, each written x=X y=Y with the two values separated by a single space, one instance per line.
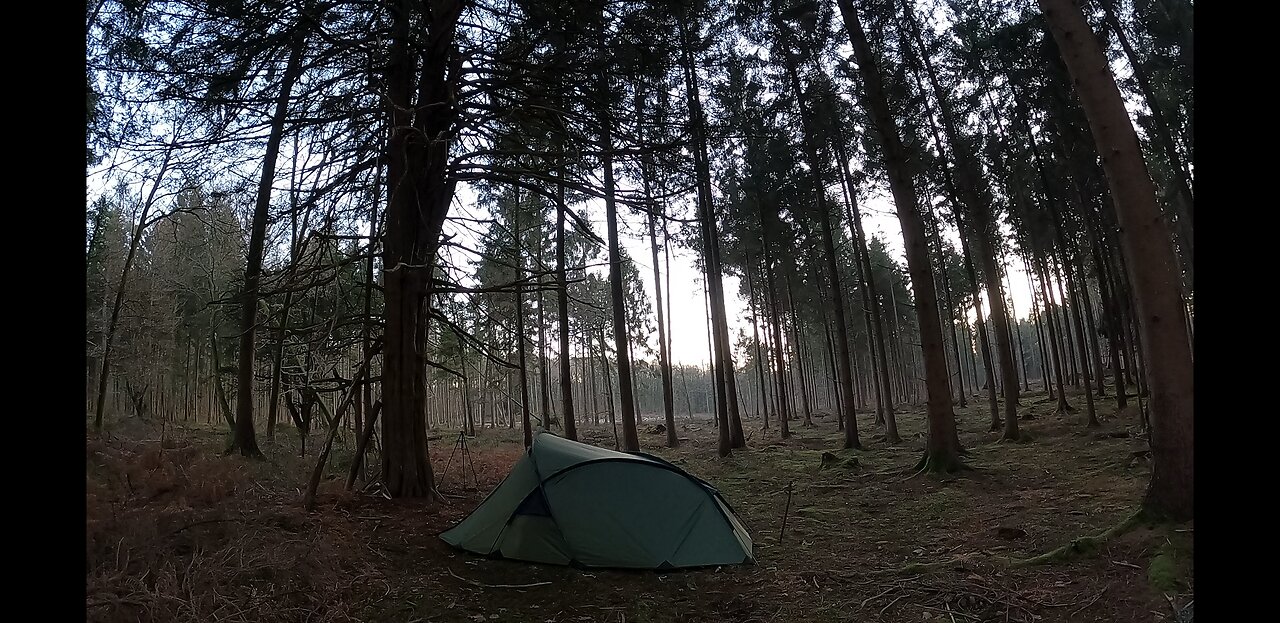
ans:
x=569 y=503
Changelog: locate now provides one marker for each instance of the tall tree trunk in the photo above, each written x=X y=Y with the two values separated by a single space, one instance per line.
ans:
x=1184 y=200
x=796 y=356
x=1074 y=265
x=1111 y=319
x=562 y=313
x=724 y=442
x=630 y=437
x=1045 y=362
x=220 y=392
x=1073 y=289
x=779 y=362
x=635 y=382
x=721 y=350
x=666 y=254
x=1136 y=365
x=976 y=198
x=544 y=386
x=1152 y=264
x=1068 y=317
x=737 y=437
x=951 y=324
x=755 y=334
x=422 y=66
x=871 y=300
x=942 y=451
x=366 y=339
x=1015 y=325
x=100 y=404
x=608 y=388
x=668 y=396
x=1055 y=348
x=848 y=406
x=1011 y=420
x=518 y=261
x=829 y=343
x=244 y=440
x=466 y=389
x=595 y=391
x=1091 y=326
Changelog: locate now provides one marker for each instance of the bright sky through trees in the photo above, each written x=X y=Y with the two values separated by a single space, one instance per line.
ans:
x=689 y=319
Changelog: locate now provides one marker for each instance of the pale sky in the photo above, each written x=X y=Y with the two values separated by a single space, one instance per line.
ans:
x=688 y=312
x=689 y=324
x=686 y=297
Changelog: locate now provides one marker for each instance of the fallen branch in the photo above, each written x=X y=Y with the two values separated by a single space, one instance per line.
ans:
x=951 y=613
x=886 y=606
x=926 y=567
x=1082 y=546
x=881 y=594
x=335 y=422
x=483 y=585
x=1095 y=598
x=362 y=445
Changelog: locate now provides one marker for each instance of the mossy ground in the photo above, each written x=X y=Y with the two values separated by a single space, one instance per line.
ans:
x=185 y=534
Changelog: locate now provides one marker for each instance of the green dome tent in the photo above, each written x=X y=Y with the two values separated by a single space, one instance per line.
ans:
x=568 y=503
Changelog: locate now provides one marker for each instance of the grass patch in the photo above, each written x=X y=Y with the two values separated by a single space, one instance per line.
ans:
x=1170 y=568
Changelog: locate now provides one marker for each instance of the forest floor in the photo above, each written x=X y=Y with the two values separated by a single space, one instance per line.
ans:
x=176 y=531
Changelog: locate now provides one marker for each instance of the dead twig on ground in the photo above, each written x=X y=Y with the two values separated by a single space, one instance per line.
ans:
x=949 y=611
x=483 y=585
x=881 y=594
x=202 y=523
x=1095 y=598
x=886 y=606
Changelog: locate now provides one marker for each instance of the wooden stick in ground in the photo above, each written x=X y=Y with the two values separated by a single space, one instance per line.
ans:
x=785 y=512
x=309 y=501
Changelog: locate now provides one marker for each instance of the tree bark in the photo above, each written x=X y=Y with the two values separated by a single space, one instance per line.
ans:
x=1053 y=338
x=976 y=198
x=848 y=406
x=668 y=395
x=1152 y=264
x=630 y=437
x=1184 y=203
x=755 y=334
x=942 y=452
x=721 y=355
x=779 y=362
x=871 y=300
x=420 y=72
x=518 y=262
x=114 y=323
x=244 y=440
x=737 y=437
x=562 y=313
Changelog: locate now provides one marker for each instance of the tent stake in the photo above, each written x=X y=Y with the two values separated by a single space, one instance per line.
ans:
x=786 y=512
